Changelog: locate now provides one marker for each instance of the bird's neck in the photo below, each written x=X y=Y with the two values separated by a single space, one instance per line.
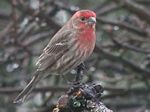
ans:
x=88 y=34
x=87 y=39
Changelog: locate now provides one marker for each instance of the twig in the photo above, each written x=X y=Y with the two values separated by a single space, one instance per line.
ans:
x=15 y=90
x=10 y=90
x=35 y=38
x=129 y=47
x=124 y=25
x=108 y=9
x=4 y=16
x=132 y=6
x=139 y=70
x=145 y=2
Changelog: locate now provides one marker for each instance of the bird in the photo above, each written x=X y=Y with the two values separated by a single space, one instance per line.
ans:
x=66 y=50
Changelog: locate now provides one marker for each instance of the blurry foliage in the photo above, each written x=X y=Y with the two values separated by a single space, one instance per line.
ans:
x=120 y=62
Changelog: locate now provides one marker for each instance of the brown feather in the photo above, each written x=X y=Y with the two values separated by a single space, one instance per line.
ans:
x=54 y=50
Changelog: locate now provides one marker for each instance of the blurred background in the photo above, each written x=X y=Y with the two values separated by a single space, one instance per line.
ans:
x=120 y=62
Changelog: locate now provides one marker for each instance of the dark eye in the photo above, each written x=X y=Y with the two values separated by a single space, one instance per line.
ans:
x=83 y=18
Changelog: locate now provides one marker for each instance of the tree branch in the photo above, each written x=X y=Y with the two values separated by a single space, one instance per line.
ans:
x=124 y=25
x=137 y=9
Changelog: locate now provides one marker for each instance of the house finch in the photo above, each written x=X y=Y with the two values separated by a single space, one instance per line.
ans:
x=69 y=47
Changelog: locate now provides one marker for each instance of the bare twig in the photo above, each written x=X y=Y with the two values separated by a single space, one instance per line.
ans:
x=108 y=9
x=124 y=25
x=140 y=10
x=139 y=70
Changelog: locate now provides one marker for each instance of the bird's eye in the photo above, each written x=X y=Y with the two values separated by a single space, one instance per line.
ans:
x=83 y=18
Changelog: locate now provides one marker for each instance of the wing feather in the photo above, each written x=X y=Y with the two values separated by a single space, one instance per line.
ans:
x=57 y=46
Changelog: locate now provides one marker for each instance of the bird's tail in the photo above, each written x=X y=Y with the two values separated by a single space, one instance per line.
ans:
x=27 y=90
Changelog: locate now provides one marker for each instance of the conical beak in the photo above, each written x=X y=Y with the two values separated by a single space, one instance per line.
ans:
x=92 y=20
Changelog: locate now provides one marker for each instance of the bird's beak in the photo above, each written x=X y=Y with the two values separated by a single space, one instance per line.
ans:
x=92 y=20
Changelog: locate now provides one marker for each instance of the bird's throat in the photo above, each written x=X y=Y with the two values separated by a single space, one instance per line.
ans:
x=87 y=39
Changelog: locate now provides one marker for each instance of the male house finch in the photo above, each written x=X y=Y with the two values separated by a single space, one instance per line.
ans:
x=69 y=47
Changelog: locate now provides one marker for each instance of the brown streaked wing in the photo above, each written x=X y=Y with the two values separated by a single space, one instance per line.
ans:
x=54 y=50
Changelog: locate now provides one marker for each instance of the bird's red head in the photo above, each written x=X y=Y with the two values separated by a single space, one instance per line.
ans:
x=85 y=13
x=84 y=19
